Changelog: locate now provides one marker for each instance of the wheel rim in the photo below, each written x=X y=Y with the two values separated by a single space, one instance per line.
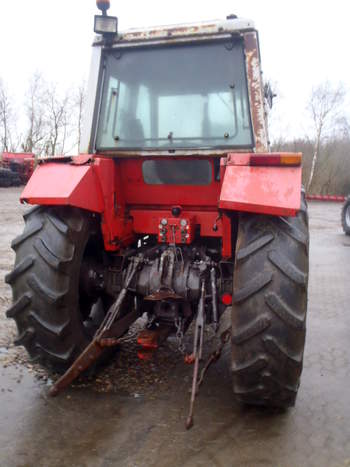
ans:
x=93 y=310
x=92 y=304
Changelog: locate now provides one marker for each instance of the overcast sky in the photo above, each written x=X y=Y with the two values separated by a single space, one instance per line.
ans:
x=302 y=42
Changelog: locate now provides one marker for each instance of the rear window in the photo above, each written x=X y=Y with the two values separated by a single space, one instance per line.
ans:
x=177 y=172
x=175 y=96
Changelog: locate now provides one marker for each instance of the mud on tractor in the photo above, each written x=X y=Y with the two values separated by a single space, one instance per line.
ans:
x=175 y=210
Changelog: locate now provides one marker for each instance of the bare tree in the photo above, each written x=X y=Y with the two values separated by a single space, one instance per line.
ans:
x=57 y=113
x=79 y=103
x=6 y=119
x=324 y=107
x=333 y=163
x=343 y=128
x=34 y=108
x=54 y=119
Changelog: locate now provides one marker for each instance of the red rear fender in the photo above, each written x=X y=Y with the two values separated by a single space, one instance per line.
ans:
x=55 y=184
x=266 y=190
x=93 y=186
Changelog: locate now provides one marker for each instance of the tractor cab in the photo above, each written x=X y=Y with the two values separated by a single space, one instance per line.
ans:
x=179 y=90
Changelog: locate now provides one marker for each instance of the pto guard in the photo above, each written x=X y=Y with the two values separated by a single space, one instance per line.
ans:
x=273 y=190
x=62 y=184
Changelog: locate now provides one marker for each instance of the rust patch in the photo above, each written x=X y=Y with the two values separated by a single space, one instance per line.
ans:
x=256 y=95
x=156 y=33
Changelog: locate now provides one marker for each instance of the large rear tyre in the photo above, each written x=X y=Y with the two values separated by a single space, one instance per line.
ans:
x=345 y=216
x=269 y=309
x=55 y=318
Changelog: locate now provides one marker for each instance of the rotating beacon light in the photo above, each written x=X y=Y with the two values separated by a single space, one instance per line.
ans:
x=103 y=5
x=105 y=25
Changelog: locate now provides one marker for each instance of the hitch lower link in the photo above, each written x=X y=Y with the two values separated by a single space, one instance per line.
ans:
x=110 y=332
x=198 y=352
x=106 y=336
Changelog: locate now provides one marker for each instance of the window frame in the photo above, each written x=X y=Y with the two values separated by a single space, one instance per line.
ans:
x=125 y=151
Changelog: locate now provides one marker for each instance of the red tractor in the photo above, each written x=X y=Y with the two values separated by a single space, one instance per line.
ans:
x=176 y=210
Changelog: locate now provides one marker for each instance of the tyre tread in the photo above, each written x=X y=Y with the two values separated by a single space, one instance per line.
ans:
x=25 y=337
x=46 y=293
x=32 y=230
x=59 y=225
x=254 y=328
x=287 y=267
x=254 y=246
x=48 y=254
x=56 y=329
x=280 y=307
x=19 y=269
x=19 y=306
x=252 y=287
x=269 y=308
x=59 y=357
x=346 y=227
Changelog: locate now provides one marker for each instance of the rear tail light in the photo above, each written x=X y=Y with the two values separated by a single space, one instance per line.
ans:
x=276 y=159
x=226 y=299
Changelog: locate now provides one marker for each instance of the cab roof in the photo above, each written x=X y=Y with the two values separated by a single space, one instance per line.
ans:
x=185 y=30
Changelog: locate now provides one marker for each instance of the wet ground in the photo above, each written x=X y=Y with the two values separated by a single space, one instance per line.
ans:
x=133 y=413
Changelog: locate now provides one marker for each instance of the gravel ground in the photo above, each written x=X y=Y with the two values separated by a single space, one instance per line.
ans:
x=132 y=412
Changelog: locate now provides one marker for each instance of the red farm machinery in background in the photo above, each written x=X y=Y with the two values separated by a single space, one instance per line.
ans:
x=16 y=168
x=177 y=211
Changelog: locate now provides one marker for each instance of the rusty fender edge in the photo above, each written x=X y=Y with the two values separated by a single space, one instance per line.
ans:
x=57 y=183
x=268 y=190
